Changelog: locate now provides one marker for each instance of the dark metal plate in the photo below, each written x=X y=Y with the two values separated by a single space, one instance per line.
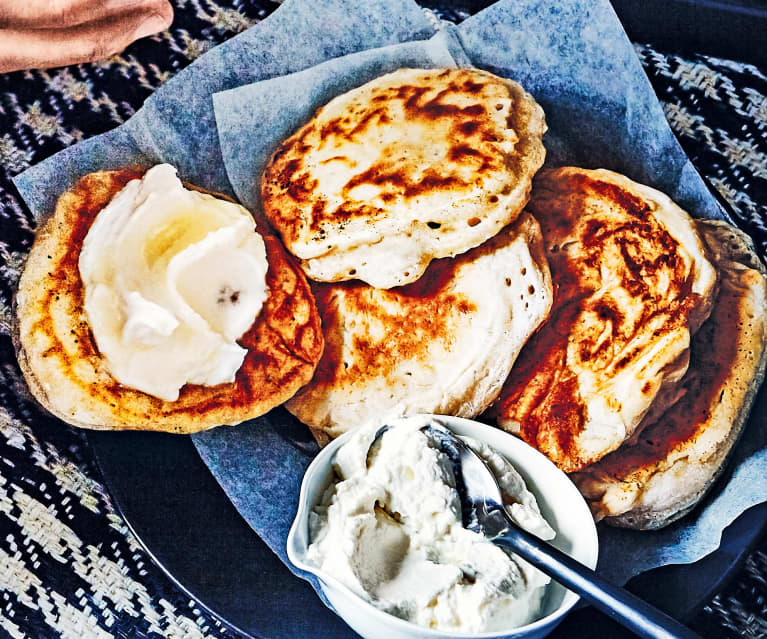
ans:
x=190 y=528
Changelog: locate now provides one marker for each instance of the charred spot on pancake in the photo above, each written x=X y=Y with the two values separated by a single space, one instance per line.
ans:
x=469 y=127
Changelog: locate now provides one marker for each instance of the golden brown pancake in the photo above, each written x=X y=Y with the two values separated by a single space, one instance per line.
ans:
x=677 y=459
x=416 y=165
x=632 y=285
x=443 y=344
x=66 y=373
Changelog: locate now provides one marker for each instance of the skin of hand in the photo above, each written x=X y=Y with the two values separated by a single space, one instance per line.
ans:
x=39 y=34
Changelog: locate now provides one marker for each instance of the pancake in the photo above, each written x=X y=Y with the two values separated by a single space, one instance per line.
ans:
x=633 y=283
x=443 y=344
x=68 y=376
x=677 y=459
x=413 y=166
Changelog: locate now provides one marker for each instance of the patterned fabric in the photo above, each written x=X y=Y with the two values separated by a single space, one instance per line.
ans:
x=718 y=109
x=69 y=567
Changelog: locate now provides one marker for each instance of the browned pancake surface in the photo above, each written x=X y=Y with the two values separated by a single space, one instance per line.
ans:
x=443 y=344
x=419 y=163
x=676 y=459
x=395 y=176
x=416 y=317
x=65 y=371
x=622 y=285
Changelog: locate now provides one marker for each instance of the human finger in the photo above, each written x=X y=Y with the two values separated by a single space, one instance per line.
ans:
x=45 y=48
x=58 y=14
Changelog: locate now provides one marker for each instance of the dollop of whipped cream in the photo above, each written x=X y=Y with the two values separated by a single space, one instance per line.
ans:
x=172 y=278
x=390 y=529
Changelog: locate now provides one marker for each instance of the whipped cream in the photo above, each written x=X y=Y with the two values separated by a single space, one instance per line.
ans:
x=392 y=533
x=172 y=278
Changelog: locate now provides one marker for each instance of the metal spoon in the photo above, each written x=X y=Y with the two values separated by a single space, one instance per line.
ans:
x=483 y=512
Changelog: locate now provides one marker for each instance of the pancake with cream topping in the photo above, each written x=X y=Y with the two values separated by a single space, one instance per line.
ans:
x=633 y=283
x=443 y=344
x=677 y=459
x=69 y=376
x=413 y=166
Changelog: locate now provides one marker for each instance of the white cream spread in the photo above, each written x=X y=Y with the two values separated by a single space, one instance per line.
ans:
x=172 y=278
x=392 y=533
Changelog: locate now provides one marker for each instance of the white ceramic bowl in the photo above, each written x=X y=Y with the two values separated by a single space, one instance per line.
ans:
x=560 y=503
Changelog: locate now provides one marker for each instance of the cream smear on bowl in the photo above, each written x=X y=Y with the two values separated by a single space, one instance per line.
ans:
x=389 y=528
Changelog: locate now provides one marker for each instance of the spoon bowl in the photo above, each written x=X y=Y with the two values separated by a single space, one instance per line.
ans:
x=483 y=512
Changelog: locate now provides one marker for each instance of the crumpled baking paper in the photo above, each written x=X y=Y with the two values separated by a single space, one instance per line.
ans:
x=602 y=112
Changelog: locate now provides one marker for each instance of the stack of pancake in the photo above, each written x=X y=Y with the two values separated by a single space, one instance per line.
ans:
x=411 y=211
x=584 y=312
x=419 y=165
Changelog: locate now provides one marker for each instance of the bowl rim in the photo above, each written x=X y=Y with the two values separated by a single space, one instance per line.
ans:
x=324 y=459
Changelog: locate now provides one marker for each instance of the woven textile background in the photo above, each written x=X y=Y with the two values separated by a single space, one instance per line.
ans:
x=69 y=567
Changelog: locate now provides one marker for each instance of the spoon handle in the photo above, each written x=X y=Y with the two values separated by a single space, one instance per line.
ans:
x=625 y=608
